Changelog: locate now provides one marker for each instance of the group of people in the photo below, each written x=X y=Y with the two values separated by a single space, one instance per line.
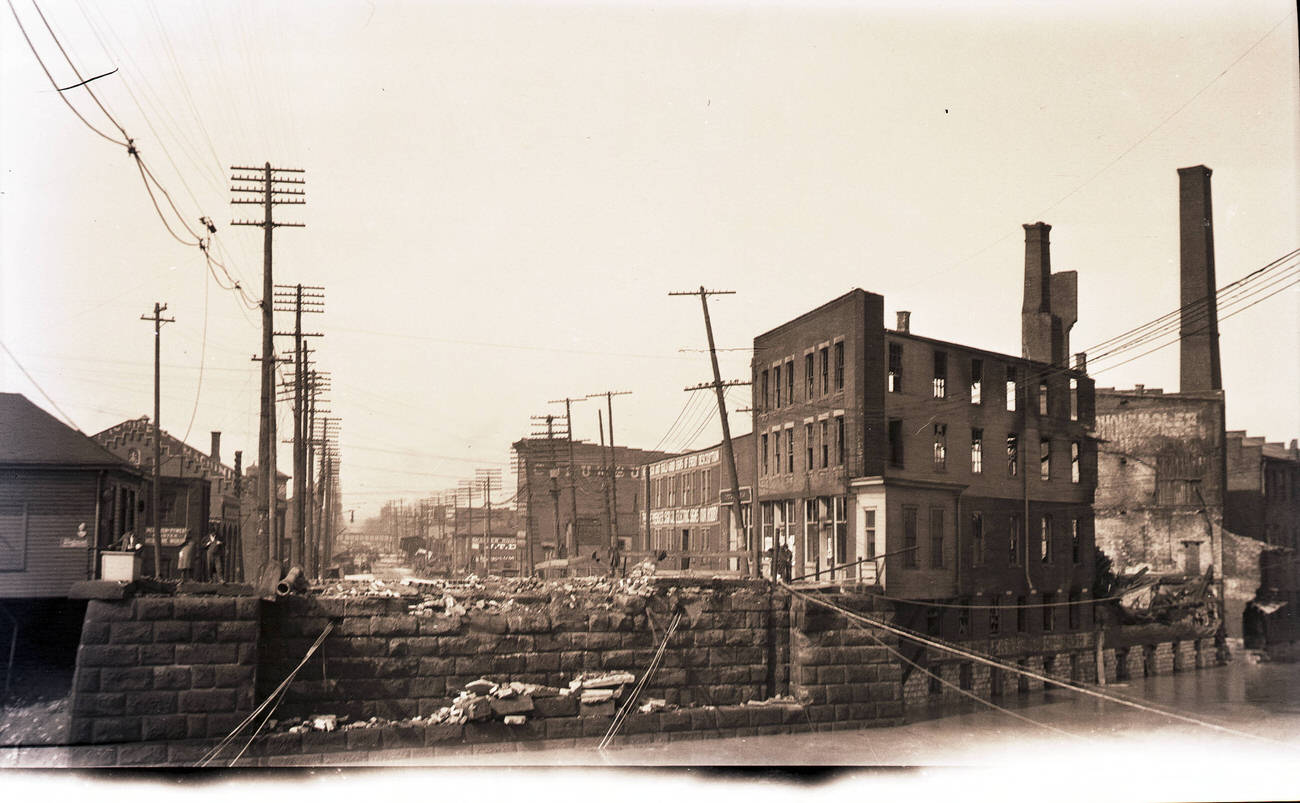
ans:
x=207 y=557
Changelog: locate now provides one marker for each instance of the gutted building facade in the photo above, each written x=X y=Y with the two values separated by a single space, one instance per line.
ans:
x=949 y=471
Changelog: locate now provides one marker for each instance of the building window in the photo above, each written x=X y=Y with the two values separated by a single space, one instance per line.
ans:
x=839 y=365
x=672 y=491
x=995 y=621
x=1045 y=540
x=1074 y=462
x=936 y=538
x=839 y=440
x=940 y=447
x=963 y=629
x=765 y=400
x=1013 y=454
x=840 y=527
x=706 y=493
x=1022 y=620
x=869 y=528
x=909 y=538
x=895 y=367
x=1073 y=610
x=789 y=381
x=977 y=538
x=809 y=377
x=1074 y=400
x=1075 y=545
x=976 y=381
x=977 y=451
x=764 y=452
x=1049 y=612
x=1013 y=542
x=808 y=447
x=688 y=483
x=1043 y=406
x=826 y=370
x=826 y=443
x=776 y=372
x=1045 y=459
x=789 y=450
x=1011 y=389
x=896 y=442
x=940 y=374
x=776 y=450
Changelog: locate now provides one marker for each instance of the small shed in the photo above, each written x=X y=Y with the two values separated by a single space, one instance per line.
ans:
x=63 y=499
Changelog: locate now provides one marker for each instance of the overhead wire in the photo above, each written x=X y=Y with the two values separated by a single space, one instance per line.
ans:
x=37 y=385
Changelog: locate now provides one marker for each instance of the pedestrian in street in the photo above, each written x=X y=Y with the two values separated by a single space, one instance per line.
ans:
x=185 y=560
x=216 y=572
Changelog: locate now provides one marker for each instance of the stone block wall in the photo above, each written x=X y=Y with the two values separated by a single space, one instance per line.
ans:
x=732 y=645
x=1110 y=665
x=1184 y=655
x=842 y=672
x=1162 y=659
x=159 y=667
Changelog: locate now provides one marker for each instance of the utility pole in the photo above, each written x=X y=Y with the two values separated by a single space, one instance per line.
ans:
x=612 y=474
x=292 y=298
x=158 y=321
x=490 y=477
x=728 y=453
x=571 y=547
x=271 y=196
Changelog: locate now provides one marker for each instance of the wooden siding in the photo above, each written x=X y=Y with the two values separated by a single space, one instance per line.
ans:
x=56 y=502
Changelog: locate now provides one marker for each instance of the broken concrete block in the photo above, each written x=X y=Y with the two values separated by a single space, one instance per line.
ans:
x=597 y=695
x=558 y=706
x=480 y=686
x=609 y=680
x=605 y=709
x=515 y=719
x=325 y=722
x=518 y=704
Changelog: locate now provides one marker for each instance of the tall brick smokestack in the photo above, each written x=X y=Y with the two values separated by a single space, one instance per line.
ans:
x=215 y=453
x=1050 y=308
x=1198 y=326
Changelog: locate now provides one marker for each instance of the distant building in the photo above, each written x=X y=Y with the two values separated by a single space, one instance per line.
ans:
x=543 y=494
x=198 y=495
x=951 y=471
x=64 y=499
x=1263 y=505
x=690 y=511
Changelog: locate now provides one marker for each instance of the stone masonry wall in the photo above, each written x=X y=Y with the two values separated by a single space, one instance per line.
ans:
x=382 y=661
x=157 y=668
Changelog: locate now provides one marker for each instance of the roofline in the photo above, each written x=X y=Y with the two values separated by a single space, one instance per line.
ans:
x=995 y=354
x=798 y=319
x=702 y=450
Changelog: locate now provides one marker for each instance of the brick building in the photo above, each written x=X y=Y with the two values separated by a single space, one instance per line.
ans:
x=690 y=510
x=1263 y=505
x=968 y=474
x=198 y=495
x=549 y=489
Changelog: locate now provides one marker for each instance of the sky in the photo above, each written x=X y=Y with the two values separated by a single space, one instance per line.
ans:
x=500 y=197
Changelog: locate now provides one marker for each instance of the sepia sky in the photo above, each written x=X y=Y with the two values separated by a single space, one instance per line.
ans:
x=500 y=197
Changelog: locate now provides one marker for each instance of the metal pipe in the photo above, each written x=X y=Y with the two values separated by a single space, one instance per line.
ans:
x=292 y=582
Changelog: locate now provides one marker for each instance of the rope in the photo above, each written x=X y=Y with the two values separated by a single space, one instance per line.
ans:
x=1070 y=685
x=645 y=678
x=211 y=755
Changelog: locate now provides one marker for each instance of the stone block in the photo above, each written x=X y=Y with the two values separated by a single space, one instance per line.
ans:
x=428 y=687
x=115 y=729
x=439 y=667
x=142 y=755
x=207 y=653
x=157 y=654
x=151 y=703
x=171 y=632
x=315 y=741
x=210 y=609
x=248 y=608
x=203 y=676
x=86 y=680
x=438 y=625
x=130 y=632
x=171 y=677
x=203 y=632
x=1162 y=659
x=563 y=727
x=364 y=738
x=232 y=676
x=99 y=610
x=92 y=757
x=388 y=626
x=101 y=704
x=443 y=732
x=97 y=655
x=237 y=631
x=153 y=609
x=206 y=700
x=560 y=706
x=401 y=736
x=163 y=728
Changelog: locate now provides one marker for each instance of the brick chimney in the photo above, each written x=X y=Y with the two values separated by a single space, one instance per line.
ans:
x=215 y=453
x=1050 y=304
x=904 y=321
x=1198 y=326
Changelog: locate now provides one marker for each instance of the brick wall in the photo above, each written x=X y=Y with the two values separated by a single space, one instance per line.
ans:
x=154 y=668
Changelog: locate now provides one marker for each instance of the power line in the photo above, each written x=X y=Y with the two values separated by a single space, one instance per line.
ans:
x=37 y=385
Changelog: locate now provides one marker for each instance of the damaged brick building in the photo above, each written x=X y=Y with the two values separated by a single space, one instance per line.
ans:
x=954 y=473
x=1177 y=493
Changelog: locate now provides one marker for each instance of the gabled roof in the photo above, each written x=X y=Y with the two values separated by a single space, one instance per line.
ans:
x=32 y=437
x=179 y=459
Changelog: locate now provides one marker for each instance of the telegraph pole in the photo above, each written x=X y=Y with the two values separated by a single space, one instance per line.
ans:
x=292 y=298
x=270 y=197
x=571 y=545
x=158 y=321
x=489 y=477
x=613 y=470
x=728 y=453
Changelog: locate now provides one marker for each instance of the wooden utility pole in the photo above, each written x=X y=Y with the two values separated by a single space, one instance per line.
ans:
x=270 y=197
x=491 y=479
x=571 y=545
x=612 y=472
x=292 y=298
x=728 y=454
x=158 y=321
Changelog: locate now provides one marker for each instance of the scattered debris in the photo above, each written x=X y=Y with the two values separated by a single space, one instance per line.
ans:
x=326 y=722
